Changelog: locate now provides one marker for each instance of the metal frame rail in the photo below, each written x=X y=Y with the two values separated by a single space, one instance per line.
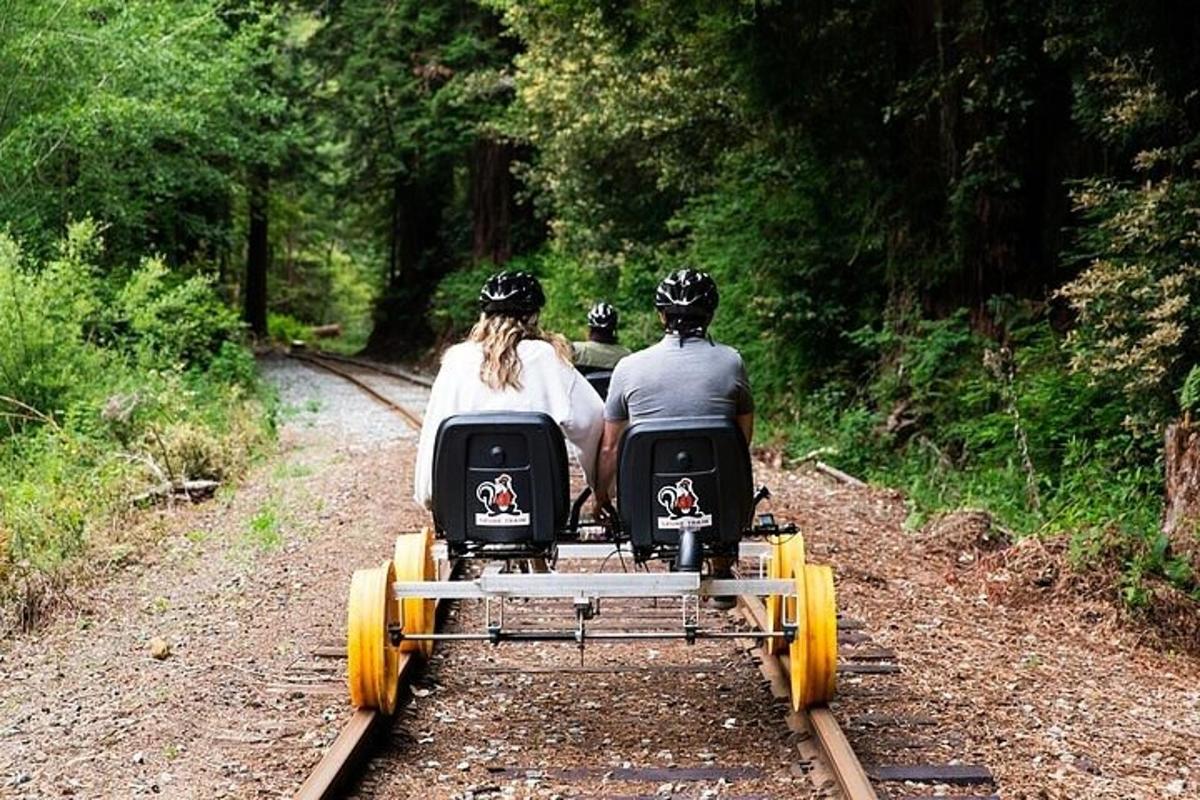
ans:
x=343 y=757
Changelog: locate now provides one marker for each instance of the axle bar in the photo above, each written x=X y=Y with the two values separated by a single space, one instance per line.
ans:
x=575 y=636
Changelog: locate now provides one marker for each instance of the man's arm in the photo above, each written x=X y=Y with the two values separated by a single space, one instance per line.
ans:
x=746 y=423
x=606 y=467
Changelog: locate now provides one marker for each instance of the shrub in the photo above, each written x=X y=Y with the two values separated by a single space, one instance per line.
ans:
x=286 y=329
x=109 y=386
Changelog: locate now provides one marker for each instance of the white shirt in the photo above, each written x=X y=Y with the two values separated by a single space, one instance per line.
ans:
x=548 y=384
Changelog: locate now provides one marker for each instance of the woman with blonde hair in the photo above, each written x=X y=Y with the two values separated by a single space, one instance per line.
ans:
x=508 y=363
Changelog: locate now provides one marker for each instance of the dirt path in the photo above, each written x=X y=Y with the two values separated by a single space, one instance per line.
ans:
x=1057 y=700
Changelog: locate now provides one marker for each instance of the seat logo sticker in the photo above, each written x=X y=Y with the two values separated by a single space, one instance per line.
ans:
x=499 y=499
x=683 y=507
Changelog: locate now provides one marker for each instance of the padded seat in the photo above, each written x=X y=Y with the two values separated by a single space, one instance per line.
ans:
x=600 y=379
x=676 y=473
x=500 y=478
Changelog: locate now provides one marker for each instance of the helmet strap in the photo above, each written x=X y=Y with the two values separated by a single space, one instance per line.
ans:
x=685 y=327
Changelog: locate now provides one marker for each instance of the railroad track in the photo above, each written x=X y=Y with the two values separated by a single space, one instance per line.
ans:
x=342 y=762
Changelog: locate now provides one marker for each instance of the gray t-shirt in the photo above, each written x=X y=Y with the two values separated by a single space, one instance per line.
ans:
x=698 y=379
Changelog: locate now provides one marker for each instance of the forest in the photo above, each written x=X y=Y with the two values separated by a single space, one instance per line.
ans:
x=956 y=240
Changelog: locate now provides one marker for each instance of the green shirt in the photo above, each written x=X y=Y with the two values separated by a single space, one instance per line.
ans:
x=598 y=355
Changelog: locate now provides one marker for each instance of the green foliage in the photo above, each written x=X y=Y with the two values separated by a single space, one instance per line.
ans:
x=137 y=114
x=1040 y=447
x=776 y=233
x=1139 y=329
x=286 y=329
x=623 y=117
x=173 y=321
x=109 y=388
x=1189 y=394
x=264 y=530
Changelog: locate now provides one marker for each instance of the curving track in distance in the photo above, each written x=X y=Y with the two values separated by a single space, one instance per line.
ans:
x=342 y=760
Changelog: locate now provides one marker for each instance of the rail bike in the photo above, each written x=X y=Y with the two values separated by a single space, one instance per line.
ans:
x=501 y=499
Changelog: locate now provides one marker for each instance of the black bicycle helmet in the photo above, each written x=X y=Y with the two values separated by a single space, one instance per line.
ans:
x=515 y=293
x=687 y=293
x=603 y=317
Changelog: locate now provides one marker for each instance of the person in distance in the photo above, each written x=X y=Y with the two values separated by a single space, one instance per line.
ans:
x=601 y=351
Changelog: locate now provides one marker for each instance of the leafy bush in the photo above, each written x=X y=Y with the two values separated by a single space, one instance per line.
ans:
x=958 y=420
x=286 y=329
x=109 y=388
x=44 y=354
x=173 y=322
x=1139 y=326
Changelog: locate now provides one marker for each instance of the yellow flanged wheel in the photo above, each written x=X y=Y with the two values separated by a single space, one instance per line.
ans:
x=785 y=553
x=821 y=635
x=413 y=561
x=373 y=662
x=798 y=649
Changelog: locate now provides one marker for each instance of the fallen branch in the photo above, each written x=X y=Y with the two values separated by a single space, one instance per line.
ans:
x=326 y=331
x=839 y=476
x=193 y=490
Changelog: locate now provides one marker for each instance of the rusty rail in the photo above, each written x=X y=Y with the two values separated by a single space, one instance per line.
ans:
x=342 y=758
x=321 y=361
x=819 y=720
x=382 y=369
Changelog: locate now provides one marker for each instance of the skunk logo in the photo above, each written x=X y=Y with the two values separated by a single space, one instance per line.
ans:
x=499 y=500
x=679 y=500
x=683 y=507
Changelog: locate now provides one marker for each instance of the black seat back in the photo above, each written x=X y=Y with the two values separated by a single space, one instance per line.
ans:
x=500 y=478
x=599 y=379
x=677 y=472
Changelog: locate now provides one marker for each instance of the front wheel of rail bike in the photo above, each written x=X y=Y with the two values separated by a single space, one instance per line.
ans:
x=372 y=660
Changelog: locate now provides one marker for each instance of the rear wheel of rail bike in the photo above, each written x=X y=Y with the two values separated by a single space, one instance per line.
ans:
x=812 y=654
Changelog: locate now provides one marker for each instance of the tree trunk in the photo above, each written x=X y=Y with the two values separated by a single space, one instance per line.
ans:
x=414 y=266
x=258 y=254
x=492 y=199
x=1181 y=514
x=395 y=230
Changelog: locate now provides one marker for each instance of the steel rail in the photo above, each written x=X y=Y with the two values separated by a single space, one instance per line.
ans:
x=382 y=369
x=319 y=361
x=818 y=720
x=340 y=761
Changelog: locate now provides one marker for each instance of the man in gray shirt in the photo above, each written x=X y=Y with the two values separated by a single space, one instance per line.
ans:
x=685 y=375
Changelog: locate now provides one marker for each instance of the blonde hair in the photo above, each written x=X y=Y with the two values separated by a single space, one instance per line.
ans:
x=499 y=335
